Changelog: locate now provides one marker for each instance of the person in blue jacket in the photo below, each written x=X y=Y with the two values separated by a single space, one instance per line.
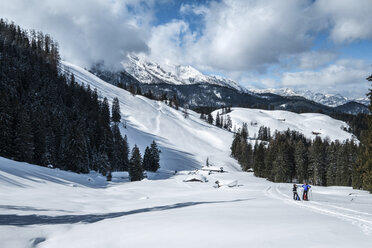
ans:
x=306 y=187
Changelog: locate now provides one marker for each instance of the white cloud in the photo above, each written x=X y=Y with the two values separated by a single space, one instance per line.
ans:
x=87 y=30
x=241 y=35
x=252 y=35
x=168 y=41
x=315 y=59
x=349 y=20
x=345 y=76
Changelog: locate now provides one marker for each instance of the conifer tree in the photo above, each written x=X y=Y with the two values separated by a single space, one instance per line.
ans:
x=120 y=151
x=259 y=160
x=155 y=157
x=210 y=118
x=147 y=159
x=136 y=172
x=115 y=110
x=218 y=120
x=105 y=112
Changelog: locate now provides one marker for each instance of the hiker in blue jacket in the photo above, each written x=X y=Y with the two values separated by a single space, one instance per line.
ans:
x=306 y=190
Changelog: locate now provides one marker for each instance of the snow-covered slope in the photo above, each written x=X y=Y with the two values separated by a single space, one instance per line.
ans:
x=185 y=142
x=331 y=100
x=151 y=73
x=48 y=208
x=310 y=124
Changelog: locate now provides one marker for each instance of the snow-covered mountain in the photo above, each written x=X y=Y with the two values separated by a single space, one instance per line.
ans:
x=49 y=208
x=331 y=100
x=153 y=73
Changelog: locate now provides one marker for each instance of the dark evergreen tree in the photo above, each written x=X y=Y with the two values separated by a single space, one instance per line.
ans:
x=218 y=120
x=210 y=118
x=155 y=157
x=136 y=172
x=147 y=159
x=115 y=110
x=120 y=151
x=105 y=112
x=259 y=160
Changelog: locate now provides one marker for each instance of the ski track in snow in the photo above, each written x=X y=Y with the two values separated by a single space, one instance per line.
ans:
x=355 y=217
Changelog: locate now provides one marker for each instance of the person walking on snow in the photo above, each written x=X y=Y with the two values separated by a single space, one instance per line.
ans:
x=305 y=196
x=295 y=195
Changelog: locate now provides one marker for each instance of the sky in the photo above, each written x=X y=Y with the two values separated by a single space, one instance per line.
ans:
x=319 y=45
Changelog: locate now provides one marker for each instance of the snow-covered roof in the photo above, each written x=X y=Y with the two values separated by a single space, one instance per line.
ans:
x=195 y=178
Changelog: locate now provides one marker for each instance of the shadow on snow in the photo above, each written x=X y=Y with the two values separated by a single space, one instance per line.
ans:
x=25 y=220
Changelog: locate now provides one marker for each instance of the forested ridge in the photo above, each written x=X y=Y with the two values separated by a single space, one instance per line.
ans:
x=46 y=117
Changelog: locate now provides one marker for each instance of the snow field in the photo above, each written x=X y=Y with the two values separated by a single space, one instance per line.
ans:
x=172 y=213
x=282 y=120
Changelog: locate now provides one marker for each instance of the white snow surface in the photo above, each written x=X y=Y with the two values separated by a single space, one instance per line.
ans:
x=307 y=124
x=151 y=73
x=49 y=208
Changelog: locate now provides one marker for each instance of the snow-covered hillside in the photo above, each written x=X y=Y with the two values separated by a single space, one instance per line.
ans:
x=185 y=142
x=331 y=100
x=43 y=207
x=310 y=124
x=151 y=73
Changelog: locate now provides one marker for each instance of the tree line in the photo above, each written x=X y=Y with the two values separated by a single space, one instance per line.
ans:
x=47 y=117
x=290 y=157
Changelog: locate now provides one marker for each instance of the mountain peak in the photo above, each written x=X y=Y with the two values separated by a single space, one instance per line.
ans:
x=149 y=72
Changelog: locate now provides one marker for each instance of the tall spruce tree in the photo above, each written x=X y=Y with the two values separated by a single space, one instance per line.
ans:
x=136 y=172
x=115 y=110
x=147 y=159
x=120 y=150
x=155 y=157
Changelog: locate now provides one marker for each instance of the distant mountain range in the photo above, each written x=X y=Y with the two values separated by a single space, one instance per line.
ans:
x=196 y=89
x=325 y=99
x=148 y=72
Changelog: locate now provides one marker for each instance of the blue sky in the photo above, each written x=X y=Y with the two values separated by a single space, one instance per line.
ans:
x=321 y=45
